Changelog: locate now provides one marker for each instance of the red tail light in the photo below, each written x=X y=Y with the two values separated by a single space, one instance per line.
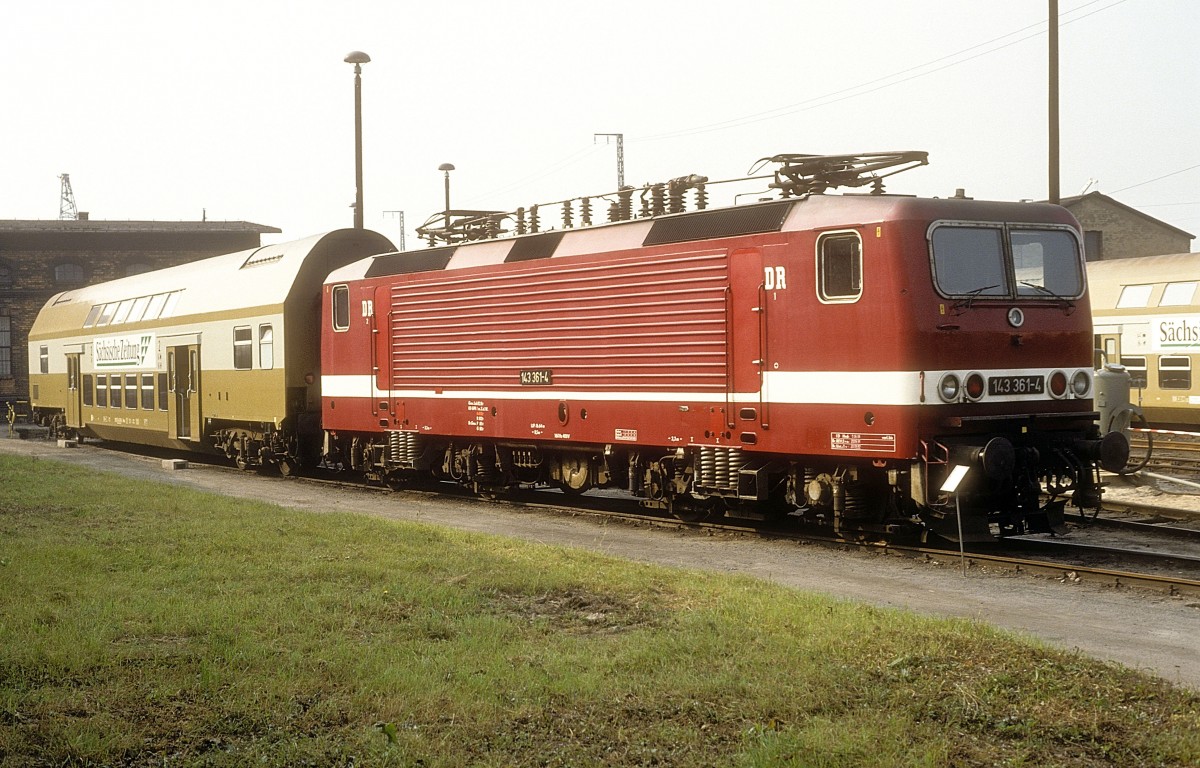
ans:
x=1058 y=384
x=975 y=387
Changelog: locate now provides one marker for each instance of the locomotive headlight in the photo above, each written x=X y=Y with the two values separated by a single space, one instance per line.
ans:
x=974 y=387
x=1058 y=385
x=948 y=388
x=1081 y=384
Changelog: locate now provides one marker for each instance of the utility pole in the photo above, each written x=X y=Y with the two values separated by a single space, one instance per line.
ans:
x=399 y=215
x=620 y=137
x=1053 y=116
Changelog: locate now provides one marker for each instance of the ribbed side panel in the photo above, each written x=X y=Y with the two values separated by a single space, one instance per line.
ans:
x=616 y=324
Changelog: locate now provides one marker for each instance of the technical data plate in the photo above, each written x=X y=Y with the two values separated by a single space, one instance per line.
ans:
x=862 y=441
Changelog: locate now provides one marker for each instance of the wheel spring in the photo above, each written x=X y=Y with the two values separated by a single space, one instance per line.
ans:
x=706 y=475
x=403 y=448
x=719 y=467
x=857 y=499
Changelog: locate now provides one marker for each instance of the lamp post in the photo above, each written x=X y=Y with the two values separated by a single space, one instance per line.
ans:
x=446 y=168
x=358 y=58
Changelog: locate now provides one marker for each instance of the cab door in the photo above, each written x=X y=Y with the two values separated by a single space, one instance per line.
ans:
x=183 y=380
x=749 y=301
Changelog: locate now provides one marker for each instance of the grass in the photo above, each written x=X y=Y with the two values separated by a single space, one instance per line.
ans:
x=149 y=625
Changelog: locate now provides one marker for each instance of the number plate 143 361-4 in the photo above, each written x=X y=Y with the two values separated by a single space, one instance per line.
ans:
x=1016 y=385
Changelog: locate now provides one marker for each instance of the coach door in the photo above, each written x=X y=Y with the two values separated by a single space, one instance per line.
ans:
x=183 y=380
x=74 y=392
x=1108 y=348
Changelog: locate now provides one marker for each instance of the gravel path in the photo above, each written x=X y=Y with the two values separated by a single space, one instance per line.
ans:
x=1158 y=634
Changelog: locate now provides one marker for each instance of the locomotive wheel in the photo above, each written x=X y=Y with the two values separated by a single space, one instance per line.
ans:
x=576 y=475
x=288 y=467
x=692 y=510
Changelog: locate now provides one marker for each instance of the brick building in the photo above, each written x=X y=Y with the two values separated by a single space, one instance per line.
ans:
x=1113 y=230
x=41 y=258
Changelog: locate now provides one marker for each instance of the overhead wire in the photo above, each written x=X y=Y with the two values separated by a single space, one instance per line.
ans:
x=833 y=97
x=886 y=81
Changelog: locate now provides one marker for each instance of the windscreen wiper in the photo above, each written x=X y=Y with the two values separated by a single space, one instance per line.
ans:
x=1068 y=305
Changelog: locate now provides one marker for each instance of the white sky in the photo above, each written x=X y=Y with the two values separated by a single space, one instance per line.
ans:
x=161 y=109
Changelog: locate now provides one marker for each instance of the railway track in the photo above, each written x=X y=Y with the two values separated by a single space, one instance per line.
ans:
x=1128 y=565
x=1169 y=451
x=1162 y=571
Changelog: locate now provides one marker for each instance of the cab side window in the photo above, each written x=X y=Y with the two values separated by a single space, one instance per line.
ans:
x=341 y=307
x=839 y=267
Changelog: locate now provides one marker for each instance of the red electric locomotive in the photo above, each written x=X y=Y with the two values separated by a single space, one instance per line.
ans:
x=832 y=356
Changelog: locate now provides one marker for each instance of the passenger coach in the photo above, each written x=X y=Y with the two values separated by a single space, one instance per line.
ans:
x=1147 y=318
x=220 y=354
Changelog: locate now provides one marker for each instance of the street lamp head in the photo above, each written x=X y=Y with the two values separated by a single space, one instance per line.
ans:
x=356 y=57
x=446 y=167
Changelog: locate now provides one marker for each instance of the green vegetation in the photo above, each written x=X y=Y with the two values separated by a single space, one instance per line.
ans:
x=148 y=625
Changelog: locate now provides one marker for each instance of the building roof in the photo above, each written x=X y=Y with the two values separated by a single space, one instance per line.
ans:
x=1067 y=202
x=93 y=226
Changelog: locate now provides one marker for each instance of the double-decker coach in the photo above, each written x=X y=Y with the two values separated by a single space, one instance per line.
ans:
x=220 y=354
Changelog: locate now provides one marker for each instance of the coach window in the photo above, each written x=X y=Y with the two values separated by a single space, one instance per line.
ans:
x=93 y=316
x=87 y=389
x=1136 y=368
x=266 y=347
x=106 y=313
x=155 y=307
x=139 y=309
x=341 y=307
x=163 y=394
x=122 y=312
x=1134 y=296
x=172 y=301
x=101 y=390
x=1178 y=294
x=839 y=267
x=243 y=348
x=131 y=390
x=44 y=359
x=1174 y=372
x=969 y=261
x=147 y=391
x=114 y=390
